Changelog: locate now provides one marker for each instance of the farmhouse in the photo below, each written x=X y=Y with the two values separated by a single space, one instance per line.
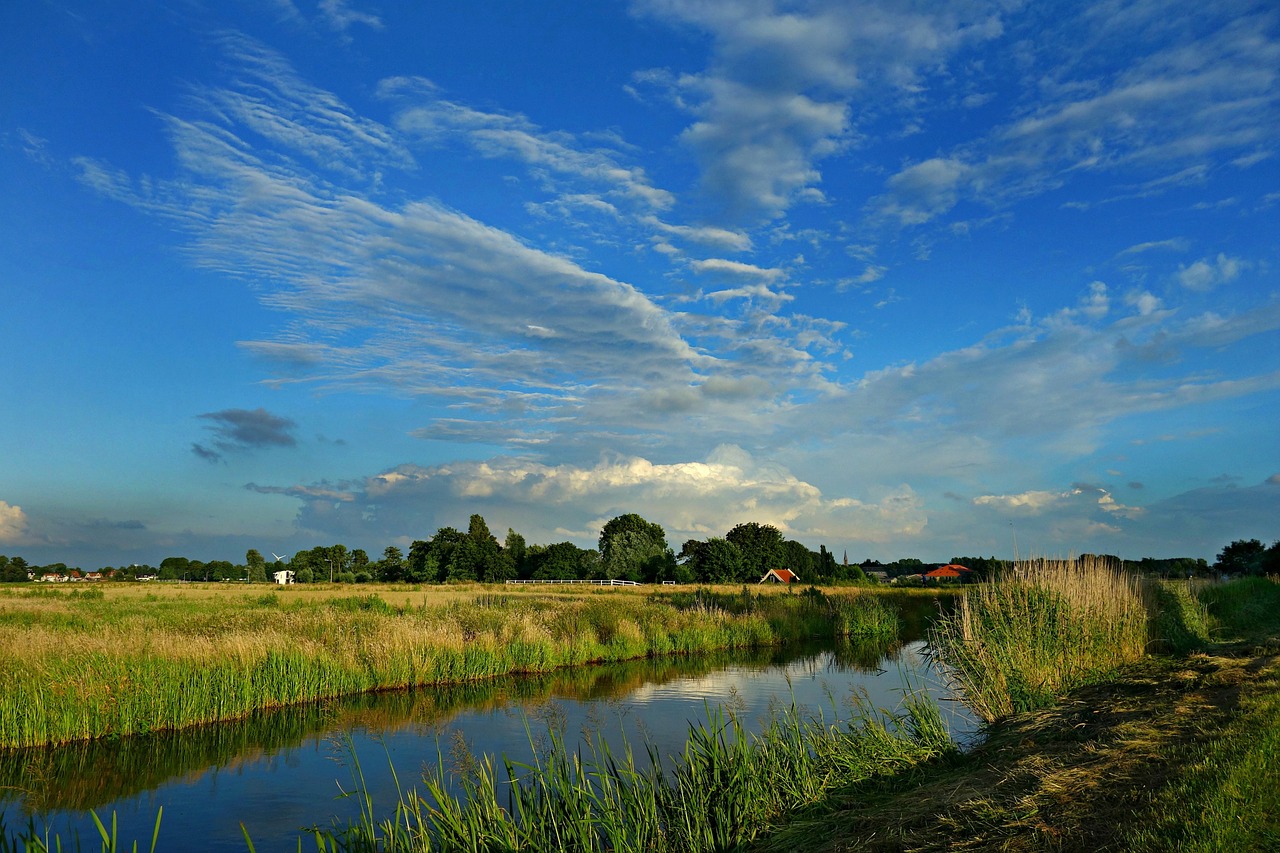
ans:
x=284 y=577
x=780 y=576
x=949 y=572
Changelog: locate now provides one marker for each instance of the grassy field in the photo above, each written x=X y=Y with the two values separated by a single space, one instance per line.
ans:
x=1173 y=750
x=118 y=659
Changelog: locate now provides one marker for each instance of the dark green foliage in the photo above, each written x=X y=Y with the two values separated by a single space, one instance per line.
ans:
x=761 y=546
x=1249 y=557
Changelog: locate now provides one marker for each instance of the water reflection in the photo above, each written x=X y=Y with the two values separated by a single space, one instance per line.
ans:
x=280 y=771
x=93 y=774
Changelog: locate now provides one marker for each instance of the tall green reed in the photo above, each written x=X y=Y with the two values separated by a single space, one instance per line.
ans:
x=1044 y=628
x=725 y=789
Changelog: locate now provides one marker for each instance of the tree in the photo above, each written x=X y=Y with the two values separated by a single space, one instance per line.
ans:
x=1271 y=559
x=561 y=561
x=799 y=559
x=484 y=551
x=632 y=548
x=761 y=547
x=391 y=567
x=1242 y=557
x=12 y=569
x=713 y=561
x=174 y=568
x=421 y=565
x=256 y=565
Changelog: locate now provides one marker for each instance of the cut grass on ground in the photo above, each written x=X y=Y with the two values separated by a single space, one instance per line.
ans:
x=1168 y=757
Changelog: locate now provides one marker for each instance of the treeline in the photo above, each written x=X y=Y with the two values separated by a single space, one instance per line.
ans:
x=629 y=548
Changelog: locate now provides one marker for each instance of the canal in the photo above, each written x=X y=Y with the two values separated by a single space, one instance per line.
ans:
x=282 y=771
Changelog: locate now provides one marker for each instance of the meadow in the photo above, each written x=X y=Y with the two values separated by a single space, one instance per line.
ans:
x=1123 y=715
x=109 y=660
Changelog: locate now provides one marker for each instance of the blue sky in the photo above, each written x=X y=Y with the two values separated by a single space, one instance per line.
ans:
x=903 y=279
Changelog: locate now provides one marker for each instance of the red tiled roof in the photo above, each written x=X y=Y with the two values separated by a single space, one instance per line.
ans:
x=953 y=570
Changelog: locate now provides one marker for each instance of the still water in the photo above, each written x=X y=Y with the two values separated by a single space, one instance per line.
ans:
x=282 y=771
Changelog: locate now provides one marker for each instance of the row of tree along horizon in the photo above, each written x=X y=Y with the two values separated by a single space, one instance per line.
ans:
x=629 y=548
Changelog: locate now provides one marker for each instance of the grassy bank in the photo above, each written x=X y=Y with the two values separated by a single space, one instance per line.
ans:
x=1171 y=752
x=106 y=660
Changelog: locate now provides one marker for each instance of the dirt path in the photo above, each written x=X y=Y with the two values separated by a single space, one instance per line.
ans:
x=1072 y=778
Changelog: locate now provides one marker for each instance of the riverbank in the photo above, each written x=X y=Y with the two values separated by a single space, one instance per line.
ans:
x=1174 y=753
x=112 y=660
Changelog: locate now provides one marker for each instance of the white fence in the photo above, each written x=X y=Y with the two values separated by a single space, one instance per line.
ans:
x=597 y=583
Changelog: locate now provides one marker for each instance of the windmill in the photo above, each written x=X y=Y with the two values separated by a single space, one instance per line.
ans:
x=278 y=557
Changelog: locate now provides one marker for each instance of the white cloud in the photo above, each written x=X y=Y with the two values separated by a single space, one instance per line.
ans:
x=926 y=190
x=549 y=502
x=1208 y=273
x=736 y=269
x=427 y=117
x=1143 y=302
x=1032 y=502
x=13 y=524
x=708 y=235
x=340 y=16
x=777 y=97
x=1174 y=244
x=1177 y=107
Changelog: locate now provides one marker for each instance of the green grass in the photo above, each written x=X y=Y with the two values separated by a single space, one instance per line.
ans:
x=1244 y=610
x=84 y=666
x=1180 y=621
x=1226 y=795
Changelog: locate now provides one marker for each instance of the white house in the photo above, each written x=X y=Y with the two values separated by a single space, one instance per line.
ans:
x=284 y=577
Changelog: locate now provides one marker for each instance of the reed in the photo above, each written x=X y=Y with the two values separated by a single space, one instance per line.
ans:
x=78 y=667
x=724 y=790
x=1040 y=630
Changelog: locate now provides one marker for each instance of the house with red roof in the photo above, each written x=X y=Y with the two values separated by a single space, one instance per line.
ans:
x=780 y=576
x=949 y=572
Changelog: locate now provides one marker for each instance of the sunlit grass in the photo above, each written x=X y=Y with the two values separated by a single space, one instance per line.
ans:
x=1041 y=630
x=120 y=661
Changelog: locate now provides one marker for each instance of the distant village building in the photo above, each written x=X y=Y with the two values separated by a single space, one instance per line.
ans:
x=780 y=576
x=284 y=577
x=949 y=572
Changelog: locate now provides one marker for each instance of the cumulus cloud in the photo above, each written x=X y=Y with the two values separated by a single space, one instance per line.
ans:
x=238 y=430
x=1208 y=273
x=13 y=524
x=693 y=499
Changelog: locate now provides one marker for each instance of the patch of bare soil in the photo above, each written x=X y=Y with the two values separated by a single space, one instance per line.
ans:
x=1066 y=779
